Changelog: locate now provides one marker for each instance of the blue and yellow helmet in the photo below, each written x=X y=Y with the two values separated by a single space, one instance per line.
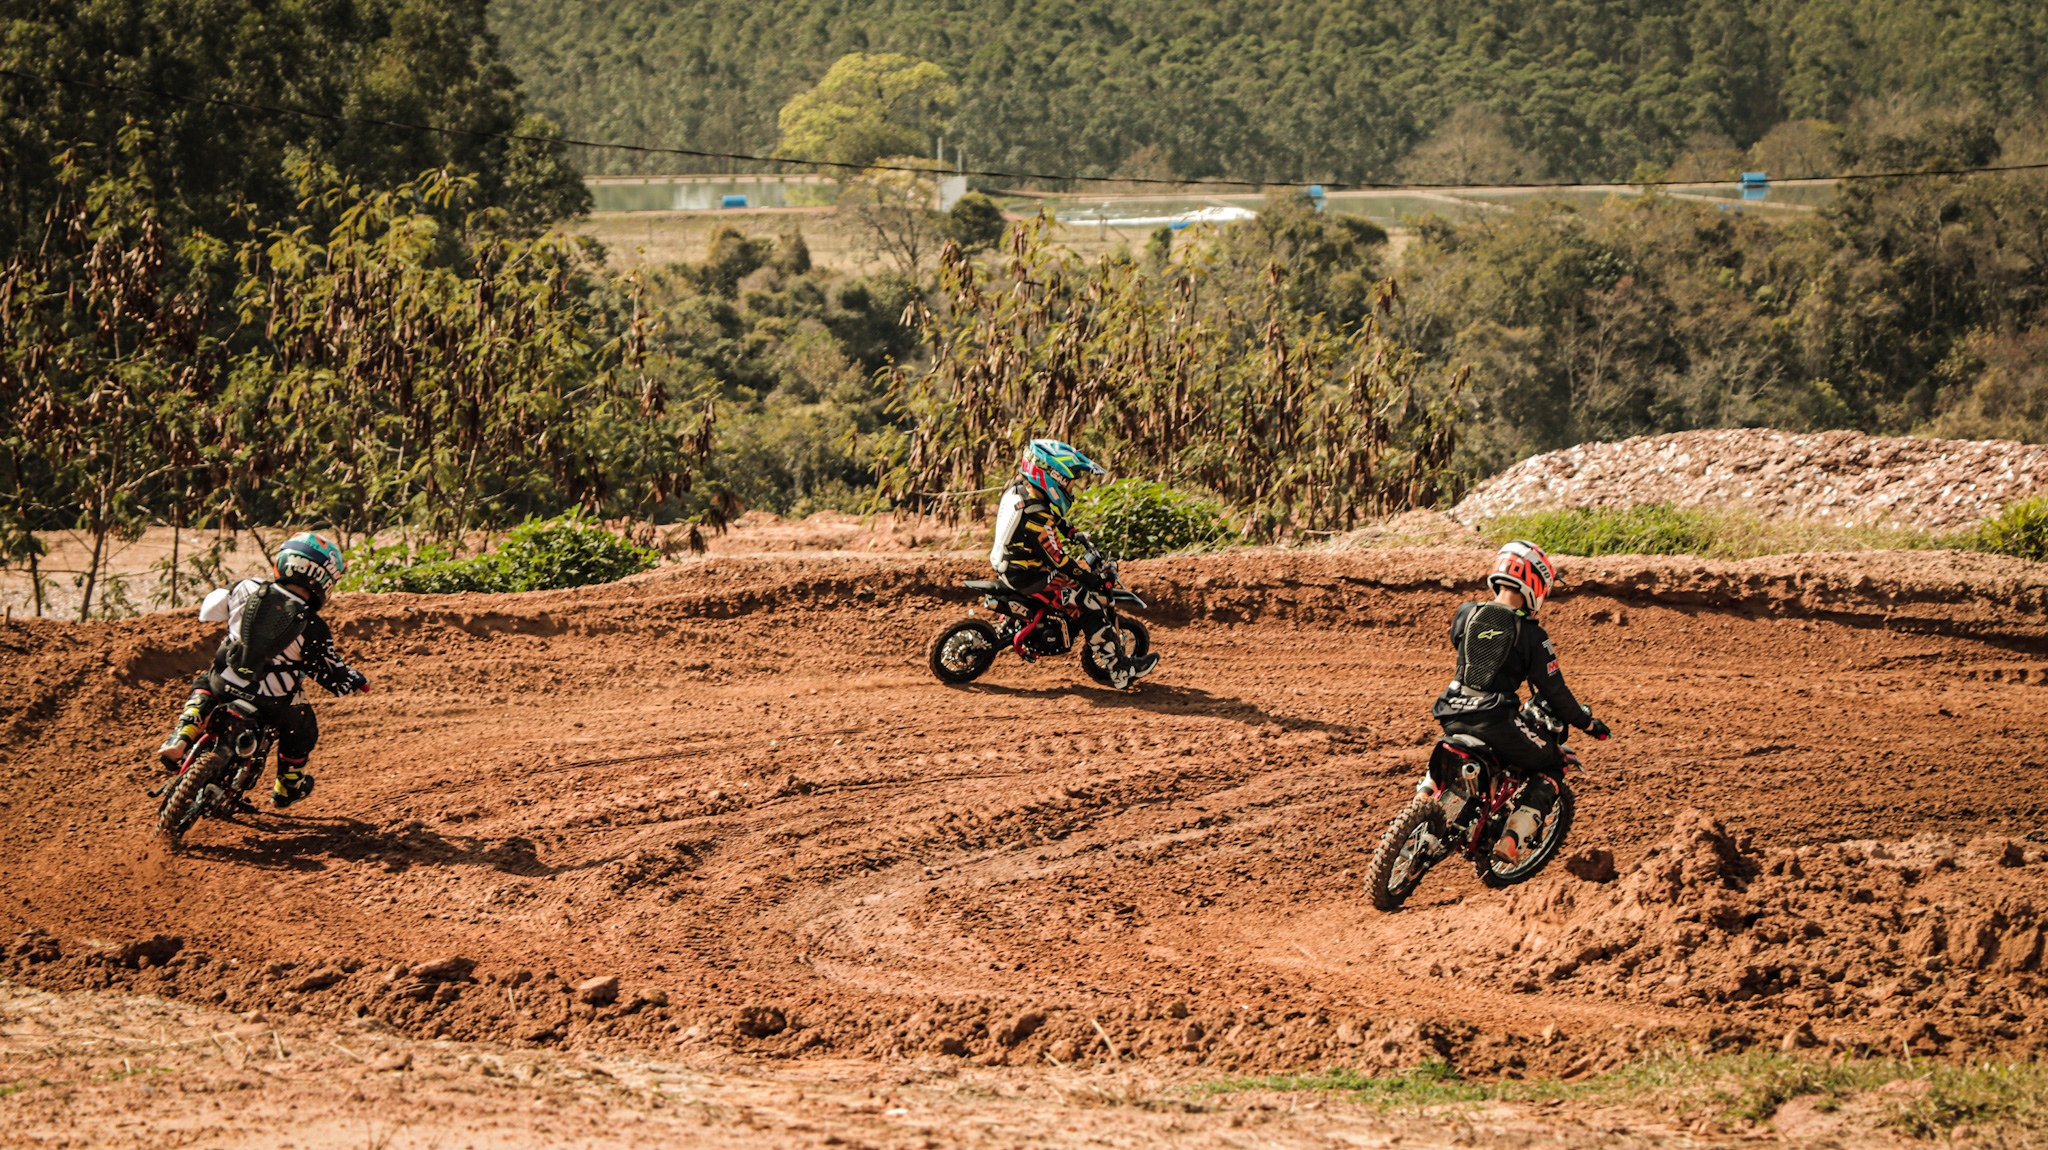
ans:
x=1053 y=467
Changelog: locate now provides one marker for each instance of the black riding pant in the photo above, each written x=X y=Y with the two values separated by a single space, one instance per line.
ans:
x=297 y=727
x=1528 y=753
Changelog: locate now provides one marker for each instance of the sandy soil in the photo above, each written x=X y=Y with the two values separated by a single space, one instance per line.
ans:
x=720 y=811
x=115 y=1070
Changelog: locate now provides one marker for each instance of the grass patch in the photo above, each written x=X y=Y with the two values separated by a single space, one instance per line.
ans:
x=1662 y=529
x=1433 y=1083
x=1728 y=1090
x=2020 y=531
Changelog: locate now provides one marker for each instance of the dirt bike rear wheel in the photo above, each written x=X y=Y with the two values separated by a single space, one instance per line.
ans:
x=1548 y=842
x=964 y=651
x=179 y=809
x=1137 y=641
x=1399 y=864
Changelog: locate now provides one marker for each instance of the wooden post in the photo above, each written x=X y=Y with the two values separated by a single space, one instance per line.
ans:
x=177 y=536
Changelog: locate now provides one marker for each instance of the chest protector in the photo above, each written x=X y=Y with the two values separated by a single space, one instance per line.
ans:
x=270 y=620
x=1487 y=649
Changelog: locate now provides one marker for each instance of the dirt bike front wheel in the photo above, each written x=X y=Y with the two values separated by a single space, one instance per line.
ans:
x=1137 y=642
x=1407 y=851
x=182 y=805
x=1549 y=840
x=963 y=651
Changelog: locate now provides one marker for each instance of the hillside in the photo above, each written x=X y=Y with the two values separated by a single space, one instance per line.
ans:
x=1309 y=89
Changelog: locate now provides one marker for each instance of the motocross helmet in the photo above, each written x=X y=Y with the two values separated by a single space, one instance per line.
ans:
x=312 y=561
x=1522 y=567
x=1057 y=470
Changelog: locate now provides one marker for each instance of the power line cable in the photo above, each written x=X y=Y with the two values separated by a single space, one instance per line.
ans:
x=792 y=161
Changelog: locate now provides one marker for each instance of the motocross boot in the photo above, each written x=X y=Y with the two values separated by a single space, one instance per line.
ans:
x=1124 y=670
x=1129 y=670
x=1521 y=829
x=186 y=729
x=294 y=782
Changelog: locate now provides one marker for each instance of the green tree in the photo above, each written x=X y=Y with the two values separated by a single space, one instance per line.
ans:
x=427 y=62
x=975 y=223
x=866 y=107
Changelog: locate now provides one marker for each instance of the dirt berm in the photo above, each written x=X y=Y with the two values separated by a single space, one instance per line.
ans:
x=723 y=806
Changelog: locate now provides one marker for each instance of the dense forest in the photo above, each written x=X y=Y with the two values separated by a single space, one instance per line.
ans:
x=1294 y=90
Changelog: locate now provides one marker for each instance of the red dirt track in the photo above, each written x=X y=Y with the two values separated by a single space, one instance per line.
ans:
x=732 y=784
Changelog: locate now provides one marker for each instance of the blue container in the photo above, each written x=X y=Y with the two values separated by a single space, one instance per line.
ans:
x=1755 y=186
x=732 y=201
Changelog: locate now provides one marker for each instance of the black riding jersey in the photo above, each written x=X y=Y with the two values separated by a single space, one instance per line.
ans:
x=1499 y=649
x=1033 y=539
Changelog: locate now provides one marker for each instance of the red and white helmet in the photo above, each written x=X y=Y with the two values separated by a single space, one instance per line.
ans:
x=1522 y=566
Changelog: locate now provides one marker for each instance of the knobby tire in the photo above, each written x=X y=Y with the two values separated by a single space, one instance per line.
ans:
x=171 y=817
x=982 y=660
x=1387 y=892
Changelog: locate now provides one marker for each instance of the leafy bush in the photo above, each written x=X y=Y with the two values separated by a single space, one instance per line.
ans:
x=2021 y=530
x=1139 y=519
x=568 y=551
x=425 y=570
x=539 y=555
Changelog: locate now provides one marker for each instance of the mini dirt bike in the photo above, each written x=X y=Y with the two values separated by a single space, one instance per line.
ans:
x=223 y=763
x=1044 y=623
x=1461 y=806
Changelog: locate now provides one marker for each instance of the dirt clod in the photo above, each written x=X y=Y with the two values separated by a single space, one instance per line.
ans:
x=760 y=1021
x=602 y=990
x=452 y=968
x=1019 y=1028
x=1593 y=864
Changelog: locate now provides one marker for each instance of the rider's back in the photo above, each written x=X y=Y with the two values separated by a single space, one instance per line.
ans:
x=1499 y=649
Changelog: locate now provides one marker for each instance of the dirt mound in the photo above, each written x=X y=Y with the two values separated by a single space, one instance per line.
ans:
x=1939 y=937
x=761 y=532
x=1838 y=477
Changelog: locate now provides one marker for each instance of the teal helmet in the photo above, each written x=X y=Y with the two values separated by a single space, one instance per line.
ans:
x=1055 y=468
x=312 y=561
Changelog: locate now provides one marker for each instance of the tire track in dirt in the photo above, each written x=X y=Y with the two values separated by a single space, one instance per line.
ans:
x=730 y=785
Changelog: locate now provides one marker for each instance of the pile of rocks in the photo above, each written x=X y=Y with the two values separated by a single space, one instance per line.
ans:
x=1838 y=477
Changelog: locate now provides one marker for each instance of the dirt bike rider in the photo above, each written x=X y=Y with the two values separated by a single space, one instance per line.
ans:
x=1500 y=645
x=1034 y=542
x=276 y=639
